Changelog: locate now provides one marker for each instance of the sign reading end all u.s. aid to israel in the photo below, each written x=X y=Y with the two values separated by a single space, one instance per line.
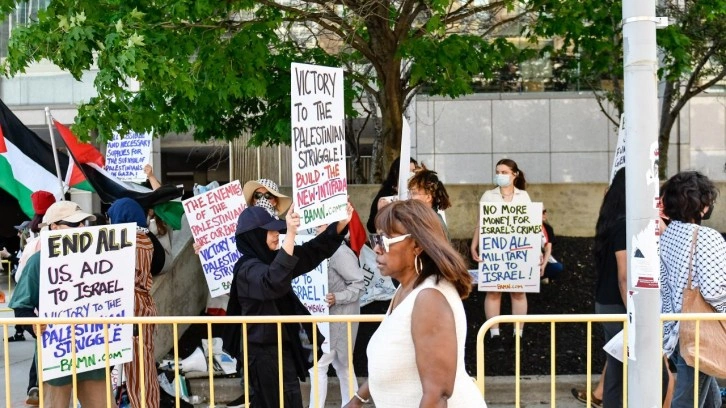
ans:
x=510 y=246
x=86 y=272
x=213 y=219
x=320 y=186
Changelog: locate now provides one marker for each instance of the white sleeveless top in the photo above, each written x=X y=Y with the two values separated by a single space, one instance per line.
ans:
x=393 y=378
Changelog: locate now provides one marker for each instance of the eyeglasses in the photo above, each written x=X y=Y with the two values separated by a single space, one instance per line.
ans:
x=385 y=242
x=258 y=194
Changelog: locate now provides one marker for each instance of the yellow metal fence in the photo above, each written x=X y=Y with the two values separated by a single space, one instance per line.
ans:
x=175 y=321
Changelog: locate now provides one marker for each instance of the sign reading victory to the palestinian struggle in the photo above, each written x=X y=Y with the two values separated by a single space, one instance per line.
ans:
x=320 y=188
x=127 y=156
x=510 y=246
x=86 y=272
x=213 y=220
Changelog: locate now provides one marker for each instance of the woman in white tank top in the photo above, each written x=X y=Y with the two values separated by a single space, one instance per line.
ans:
x=416 y=357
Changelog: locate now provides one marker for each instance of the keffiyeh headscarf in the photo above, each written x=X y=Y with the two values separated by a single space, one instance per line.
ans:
x=264 y=202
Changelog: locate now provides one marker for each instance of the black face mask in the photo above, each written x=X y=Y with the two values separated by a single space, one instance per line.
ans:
x=708 y=213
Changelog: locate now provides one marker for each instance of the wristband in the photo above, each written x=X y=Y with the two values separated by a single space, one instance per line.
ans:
x=361 y=399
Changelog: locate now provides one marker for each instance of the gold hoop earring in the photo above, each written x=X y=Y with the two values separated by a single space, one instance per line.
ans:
x=418 y=264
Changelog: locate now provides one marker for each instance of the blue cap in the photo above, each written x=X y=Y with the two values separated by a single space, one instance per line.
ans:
x=258 y=217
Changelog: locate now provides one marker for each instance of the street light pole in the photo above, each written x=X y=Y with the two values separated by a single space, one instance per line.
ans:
x=642 y=185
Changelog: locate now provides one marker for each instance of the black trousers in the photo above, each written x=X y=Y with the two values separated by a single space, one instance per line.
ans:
x=263 y=375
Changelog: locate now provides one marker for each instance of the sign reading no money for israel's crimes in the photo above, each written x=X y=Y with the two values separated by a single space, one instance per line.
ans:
x=86 y=272
x=510 y=246
x=213 y=221
x=320 y=186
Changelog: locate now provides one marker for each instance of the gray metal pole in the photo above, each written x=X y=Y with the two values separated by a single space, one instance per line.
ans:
x=641 y=160
x=58 y=173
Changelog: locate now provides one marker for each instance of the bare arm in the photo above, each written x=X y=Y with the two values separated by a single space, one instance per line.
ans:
x=434 y=340
x=153 y=181
x=621 y=258
x=475 y=246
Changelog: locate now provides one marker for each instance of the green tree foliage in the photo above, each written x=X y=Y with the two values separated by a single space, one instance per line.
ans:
x=692 y=50
x=220 y=68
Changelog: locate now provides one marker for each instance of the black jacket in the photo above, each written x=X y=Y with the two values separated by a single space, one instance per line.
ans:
x=259 y=289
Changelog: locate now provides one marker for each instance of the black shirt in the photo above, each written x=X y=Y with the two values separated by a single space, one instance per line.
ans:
x=607 y=291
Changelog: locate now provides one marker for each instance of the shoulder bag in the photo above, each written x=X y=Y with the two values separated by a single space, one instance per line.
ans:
x=712 y=339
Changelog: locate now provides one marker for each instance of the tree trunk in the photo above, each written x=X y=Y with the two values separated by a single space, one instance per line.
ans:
x=351 y=142
x=392 y=96
x=376 y=157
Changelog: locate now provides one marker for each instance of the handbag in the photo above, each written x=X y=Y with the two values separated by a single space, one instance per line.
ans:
x=712 y=350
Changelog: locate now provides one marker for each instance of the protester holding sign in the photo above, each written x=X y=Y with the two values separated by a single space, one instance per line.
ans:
x=264 y=193
x=91 y=385
x=416 y=356
x=262 y=286
x=122 y=211
x=345 y=285
x=510 y=189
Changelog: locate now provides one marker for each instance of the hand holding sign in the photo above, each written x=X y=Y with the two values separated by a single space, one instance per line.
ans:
x=292 y=220
x=349 y=216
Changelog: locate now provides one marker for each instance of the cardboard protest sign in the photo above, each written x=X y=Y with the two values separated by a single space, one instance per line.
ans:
x=127 y=156
x=510 y=243
x=311 y=289
x=213 y=220
x=378 y=287
x=619 y=157
x=320 y=187
x=86 y=272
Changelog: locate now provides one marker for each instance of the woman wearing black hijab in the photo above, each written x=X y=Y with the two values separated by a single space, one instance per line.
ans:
x=262 y=286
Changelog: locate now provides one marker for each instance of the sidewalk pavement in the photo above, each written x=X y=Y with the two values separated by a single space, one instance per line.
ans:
x=20 y=355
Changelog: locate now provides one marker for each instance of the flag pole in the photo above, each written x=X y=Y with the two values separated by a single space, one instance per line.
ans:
x=55 y=152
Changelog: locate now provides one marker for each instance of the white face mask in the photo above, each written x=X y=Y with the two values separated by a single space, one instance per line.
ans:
x=502 y=180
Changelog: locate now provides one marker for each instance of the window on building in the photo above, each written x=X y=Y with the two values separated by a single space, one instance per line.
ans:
x=23 y=15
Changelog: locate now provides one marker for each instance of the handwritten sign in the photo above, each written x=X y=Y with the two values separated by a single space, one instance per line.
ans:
x=378 y=287
x=510 y=243
x=311 y=289
x=320 y=186
x=619 y=157
x=213 y=220
x=127 y=156
x=86 y=272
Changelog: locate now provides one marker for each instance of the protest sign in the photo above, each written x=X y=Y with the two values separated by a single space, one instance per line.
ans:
x=127 y=156
x=86 y=272
x=311 y=289
x=619 y=157
x=320 y=187
x=213 y=221
x=510 y=243
x=377 y=286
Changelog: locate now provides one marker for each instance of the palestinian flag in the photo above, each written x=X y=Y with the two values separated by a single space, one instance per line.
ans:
x=109 y=188
x=27 y=165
